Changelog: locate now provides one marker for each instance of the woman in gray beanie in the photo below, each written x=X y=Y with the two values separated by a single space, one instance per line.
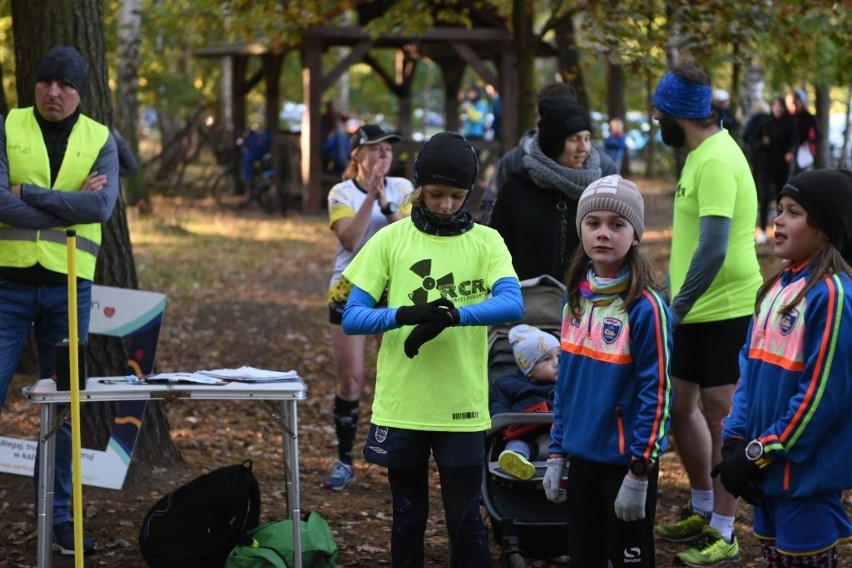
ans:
x=536 y=207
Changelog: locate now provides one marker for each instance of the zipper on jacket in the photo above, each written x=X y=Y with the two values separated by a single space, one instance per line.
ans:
x=769 y=312
x=620 y=424
x=591 y=317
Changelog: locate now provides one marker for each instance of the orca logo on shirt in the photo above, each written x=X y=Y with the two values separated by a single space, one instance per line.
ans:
x=611 y=328
x=423 y=269
x=446 y=285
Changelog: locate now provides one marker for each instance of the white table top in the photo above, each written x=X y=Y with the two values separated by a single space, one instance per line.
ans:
x=44 y=391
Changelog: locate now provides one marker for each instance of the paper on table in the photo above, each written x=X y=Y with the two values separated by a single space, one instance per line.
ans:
x=184 y=378
x=252 y=375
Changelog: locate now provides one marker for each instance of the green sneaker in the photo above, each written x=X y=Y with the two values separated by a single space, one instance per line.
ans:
x=711 y=550
x=516 y=465
x=688 y=528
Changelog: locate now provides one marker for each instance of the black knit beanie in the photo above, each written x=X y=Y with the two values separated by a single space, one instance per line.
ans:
x=559 y=119
x=826 y=195
x=64 y=63
x=446 y=159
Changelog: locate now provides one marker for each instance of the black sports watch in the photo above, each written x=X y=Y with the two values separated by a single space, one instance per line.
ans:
x=639 y=468
x=754 y=452
x=389 y=209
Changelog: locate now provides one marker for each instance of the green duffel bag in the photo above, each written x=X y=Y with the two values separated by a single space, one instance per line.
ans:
x=272 y=545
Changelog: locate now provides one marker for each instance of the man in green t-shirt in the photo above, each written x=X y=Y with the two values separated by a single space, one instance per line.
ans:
x=714 y=278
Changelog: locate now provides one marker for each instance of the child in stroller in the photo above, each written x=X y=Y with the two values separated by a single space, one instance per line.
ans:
x=525 y=524
x=536 y=353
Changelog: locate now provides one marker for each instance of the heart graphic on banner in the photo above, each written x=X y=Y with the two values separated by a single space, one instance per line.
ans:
x=109 y=311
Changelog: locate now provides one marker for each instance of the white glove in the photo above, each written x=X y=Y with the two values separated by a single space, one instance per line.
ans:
x=556 y=469
x=630 y=502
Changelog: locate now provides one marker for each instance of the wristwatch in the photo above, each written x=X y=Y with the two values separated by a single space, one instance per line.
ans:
x=639 y=468
x=754 y=453
x=389 y=209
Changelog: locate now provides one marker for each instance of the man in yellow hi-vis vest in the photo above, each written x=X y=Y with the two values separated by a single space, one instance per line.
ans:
x=58 y=170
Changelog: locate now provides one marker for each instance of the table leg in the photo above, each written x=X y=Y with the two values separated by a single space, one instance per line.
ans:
x=47 y=452
x=291 y=474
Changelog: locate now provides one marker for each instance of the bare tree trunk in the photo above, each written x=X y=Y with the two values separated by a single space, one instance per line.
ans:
x=672 y=59
x=752 y=91
x=569 y=58
x=822 y=112
x=844 y=161
x=524 y=41
x=615 y=105
x=4 y=106
x=46 y=23
x=127 y=88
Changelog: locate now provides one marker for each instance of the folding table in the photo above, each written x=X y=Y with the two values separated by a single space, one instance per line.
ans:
x=109 y=389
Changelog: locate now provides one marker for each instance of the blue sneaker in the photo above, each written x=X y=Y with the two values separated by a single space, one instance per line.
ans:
x=63 y=540
x=341 y=475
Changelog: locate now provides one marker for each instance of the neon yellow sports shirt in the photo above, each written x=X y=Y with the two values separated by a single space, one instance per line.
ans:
x=717 y=181
x=445 y=387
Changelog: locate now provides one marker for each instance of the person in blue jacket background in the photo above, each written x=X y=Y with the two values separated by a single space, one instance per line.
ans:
x=616 y=343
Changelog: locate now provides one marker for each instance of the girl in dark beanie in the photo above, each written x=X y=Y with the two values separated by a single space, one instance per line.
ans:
x=786 y=441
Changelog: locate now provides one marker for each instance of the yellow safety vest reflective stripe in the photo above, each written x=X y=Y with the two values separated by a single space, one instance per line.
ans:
x=29 y=164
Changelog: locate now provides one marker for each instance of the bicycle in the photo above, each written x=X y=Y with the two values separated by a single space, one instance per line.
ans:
x=263 y=187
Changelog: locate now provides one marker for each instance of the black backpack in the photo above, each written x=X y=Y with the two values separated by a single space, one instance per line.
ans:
x=197 y=524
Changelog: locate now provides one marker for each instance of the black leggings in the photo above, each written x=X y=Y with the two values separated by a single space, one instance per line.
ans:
x=596 y=537
x=460 y=492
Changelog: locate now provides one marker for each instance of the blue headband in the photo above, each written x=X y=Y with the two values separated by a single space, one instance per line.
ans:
x=680 y=98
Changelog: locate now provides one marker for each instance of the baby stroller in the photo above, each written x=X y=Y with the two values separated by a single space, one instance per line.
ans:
x=524 y=522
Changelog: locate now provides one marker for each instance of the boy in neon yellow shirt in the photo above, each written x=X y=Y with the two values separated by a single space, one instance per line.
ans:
x=447 y=279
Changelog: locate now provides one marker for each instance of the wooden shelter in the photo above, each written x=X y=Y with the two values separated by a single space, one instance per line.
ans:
x=486 y=48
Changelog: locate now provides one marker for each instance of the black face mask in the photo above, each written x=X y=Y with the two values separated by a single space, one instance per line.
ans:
x=429 y=223
x=672 y=132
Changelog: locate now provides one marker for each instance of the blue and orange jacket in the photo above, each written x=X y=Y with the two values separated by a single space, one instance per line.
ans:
x=613 y=393
x=795 y=386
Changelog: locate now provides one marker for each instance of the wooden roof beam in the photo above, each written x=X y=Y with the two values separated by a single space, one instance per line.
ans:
x=471 y=58
x=357 y=54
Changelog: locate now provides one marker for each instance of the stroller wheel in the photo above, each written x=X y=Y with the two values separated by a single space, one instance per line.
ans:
x=512 y=560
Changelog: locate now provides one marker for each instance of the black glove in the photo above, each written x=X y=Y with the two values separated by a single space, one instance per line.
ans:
x=740 y=476
x=428 y=331
x=421 y=313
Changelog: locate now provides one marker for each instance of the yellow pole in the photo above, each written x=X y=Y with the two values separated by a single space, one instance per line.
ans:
x=74 y=375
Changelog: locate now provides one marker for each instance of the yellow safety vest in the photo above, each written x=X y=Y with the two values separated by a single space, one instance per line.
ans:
x=29 y=163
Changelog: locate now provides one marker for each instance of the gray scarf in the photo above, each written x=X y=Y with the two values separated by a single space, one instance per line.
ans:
x=548 y=174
